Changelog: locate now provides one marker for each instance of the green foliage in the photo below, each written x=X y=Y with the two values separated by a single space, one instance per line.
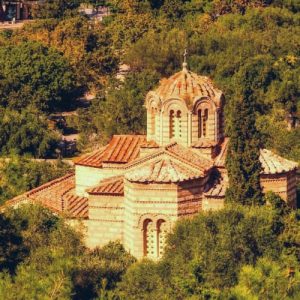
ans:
x=55 y=8
x=55 y=263
x=204 y=255
x=32 y=74
x=25 y=132
x=267 y=280
x=242 y=161
x=18 y=175
x=11 y=248
x=119 y=108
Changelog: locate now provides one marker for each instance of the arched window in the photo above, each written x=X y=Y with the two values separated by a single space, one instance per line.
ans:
x=202 y=122
x=199 y=123
x=172 y=124
x=161 y=236
x=149 y=239
x=153 y=116
x=178 y=124
x=205 y=118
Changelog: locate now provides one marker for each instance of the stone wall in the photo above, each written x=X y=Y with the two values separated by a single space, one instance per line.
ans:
x=87 y=177
x=146 y=202
x=190 y=198
x=106 y=220
x=283 y=184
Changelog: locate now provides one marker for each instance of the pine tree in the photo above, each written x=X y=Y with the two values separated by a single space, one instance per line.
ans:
x=242 y=161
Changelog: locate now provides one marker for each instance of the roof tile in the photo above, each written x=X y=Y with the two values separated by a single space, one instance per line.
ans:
x=120 y=150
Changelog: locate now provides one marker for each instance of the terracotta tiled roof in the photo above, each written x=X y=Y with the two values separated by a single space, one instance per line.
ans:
x=150 y=144
x=120 y=150
x=76 y=206
x=204 y=144
x=190 y=156
x=58 y=196
x=221 y=158
x=189 y=87
x=272 y=163
x=163 y=170
x=217 y=189
x=110 y=186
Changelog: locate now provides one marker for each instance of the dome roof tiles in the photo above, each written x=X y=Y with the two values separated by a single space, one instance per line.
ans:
x=188 y=86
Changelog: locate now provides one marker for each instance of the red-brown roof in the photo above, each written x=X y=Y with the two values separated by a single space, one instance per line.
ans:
x=217 y=189
x=274 y=164
x=163 y=170
x=188 y=86
x=111 y=186
x=190 y=156
x=205 y=144
x=271 y=163
x=57 y=195
x=120 y=150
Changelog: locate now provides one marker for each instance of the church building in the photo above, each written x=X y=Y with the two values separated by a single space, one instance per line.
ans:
x=136 y=188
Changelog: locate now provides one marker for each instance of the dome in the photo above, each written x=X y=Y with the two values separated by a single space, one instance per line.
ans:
x=189 y=87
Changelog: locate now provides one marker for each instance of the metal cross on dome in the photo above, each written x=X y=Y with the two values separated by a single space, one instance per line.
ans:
x=185 y=55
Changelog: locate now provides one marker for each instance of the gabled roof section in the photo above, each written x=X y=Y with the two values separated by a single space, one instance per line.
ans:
x=163 y=170
x=218 y=188
x=120 y=150
x=57 y=195
x=112 y=186
x=271 y=163
x=275 y=164
x=177 y=153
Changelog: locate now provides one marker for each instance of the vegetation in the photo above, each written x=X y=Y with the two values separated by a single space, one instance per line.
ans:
x=239 y=252
x=20 y=174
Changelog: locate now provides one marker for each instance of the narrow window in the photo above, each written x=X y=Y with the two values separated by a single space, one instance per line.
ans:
x=149 y=238
x=153 y=116
x=205 y=118
x=171 y=124
x=161 y=236
x=199 y=123
x=178 y=124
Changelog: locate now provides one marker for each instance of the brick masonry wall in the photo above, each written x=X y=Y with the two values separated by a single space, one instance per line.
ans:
x=87 y=177
x=146 y=201
x=282 y=184
x=106 y=220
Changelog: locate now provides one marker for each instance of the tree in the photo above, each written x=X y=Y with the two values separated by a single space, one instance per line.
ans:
x=267 y=280
x=119 y=109
x=242 y=160
x=35 y=75
x=21 y=174
x=54 y=8
x=25 y=132
x=11 y=249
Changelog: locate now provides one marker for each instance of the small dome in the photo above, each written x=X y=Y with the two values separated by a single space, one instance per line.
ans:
x=189 y=87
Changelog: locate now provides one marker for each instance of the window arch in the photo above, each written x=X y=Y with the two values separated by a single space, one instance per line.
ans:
x=161 y=236
x=202 y=122
x=178 y=124
x=205 y=118
x=153 y=120
x=149 y=238
x=172 y=124
x=199 y=123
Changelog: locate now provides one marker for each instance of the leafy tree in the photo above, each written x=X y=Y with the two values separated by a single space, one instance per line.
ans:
x=19 y=174
x=119 y=109
x=267 y=280
x=54 y=8
x=242 y=160
x=35 y=75
x=25 y=132
x=11 y=250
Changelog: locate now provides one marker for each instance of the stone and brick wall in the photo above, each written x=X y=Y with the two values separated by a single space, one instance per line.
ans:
x=106 y=220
